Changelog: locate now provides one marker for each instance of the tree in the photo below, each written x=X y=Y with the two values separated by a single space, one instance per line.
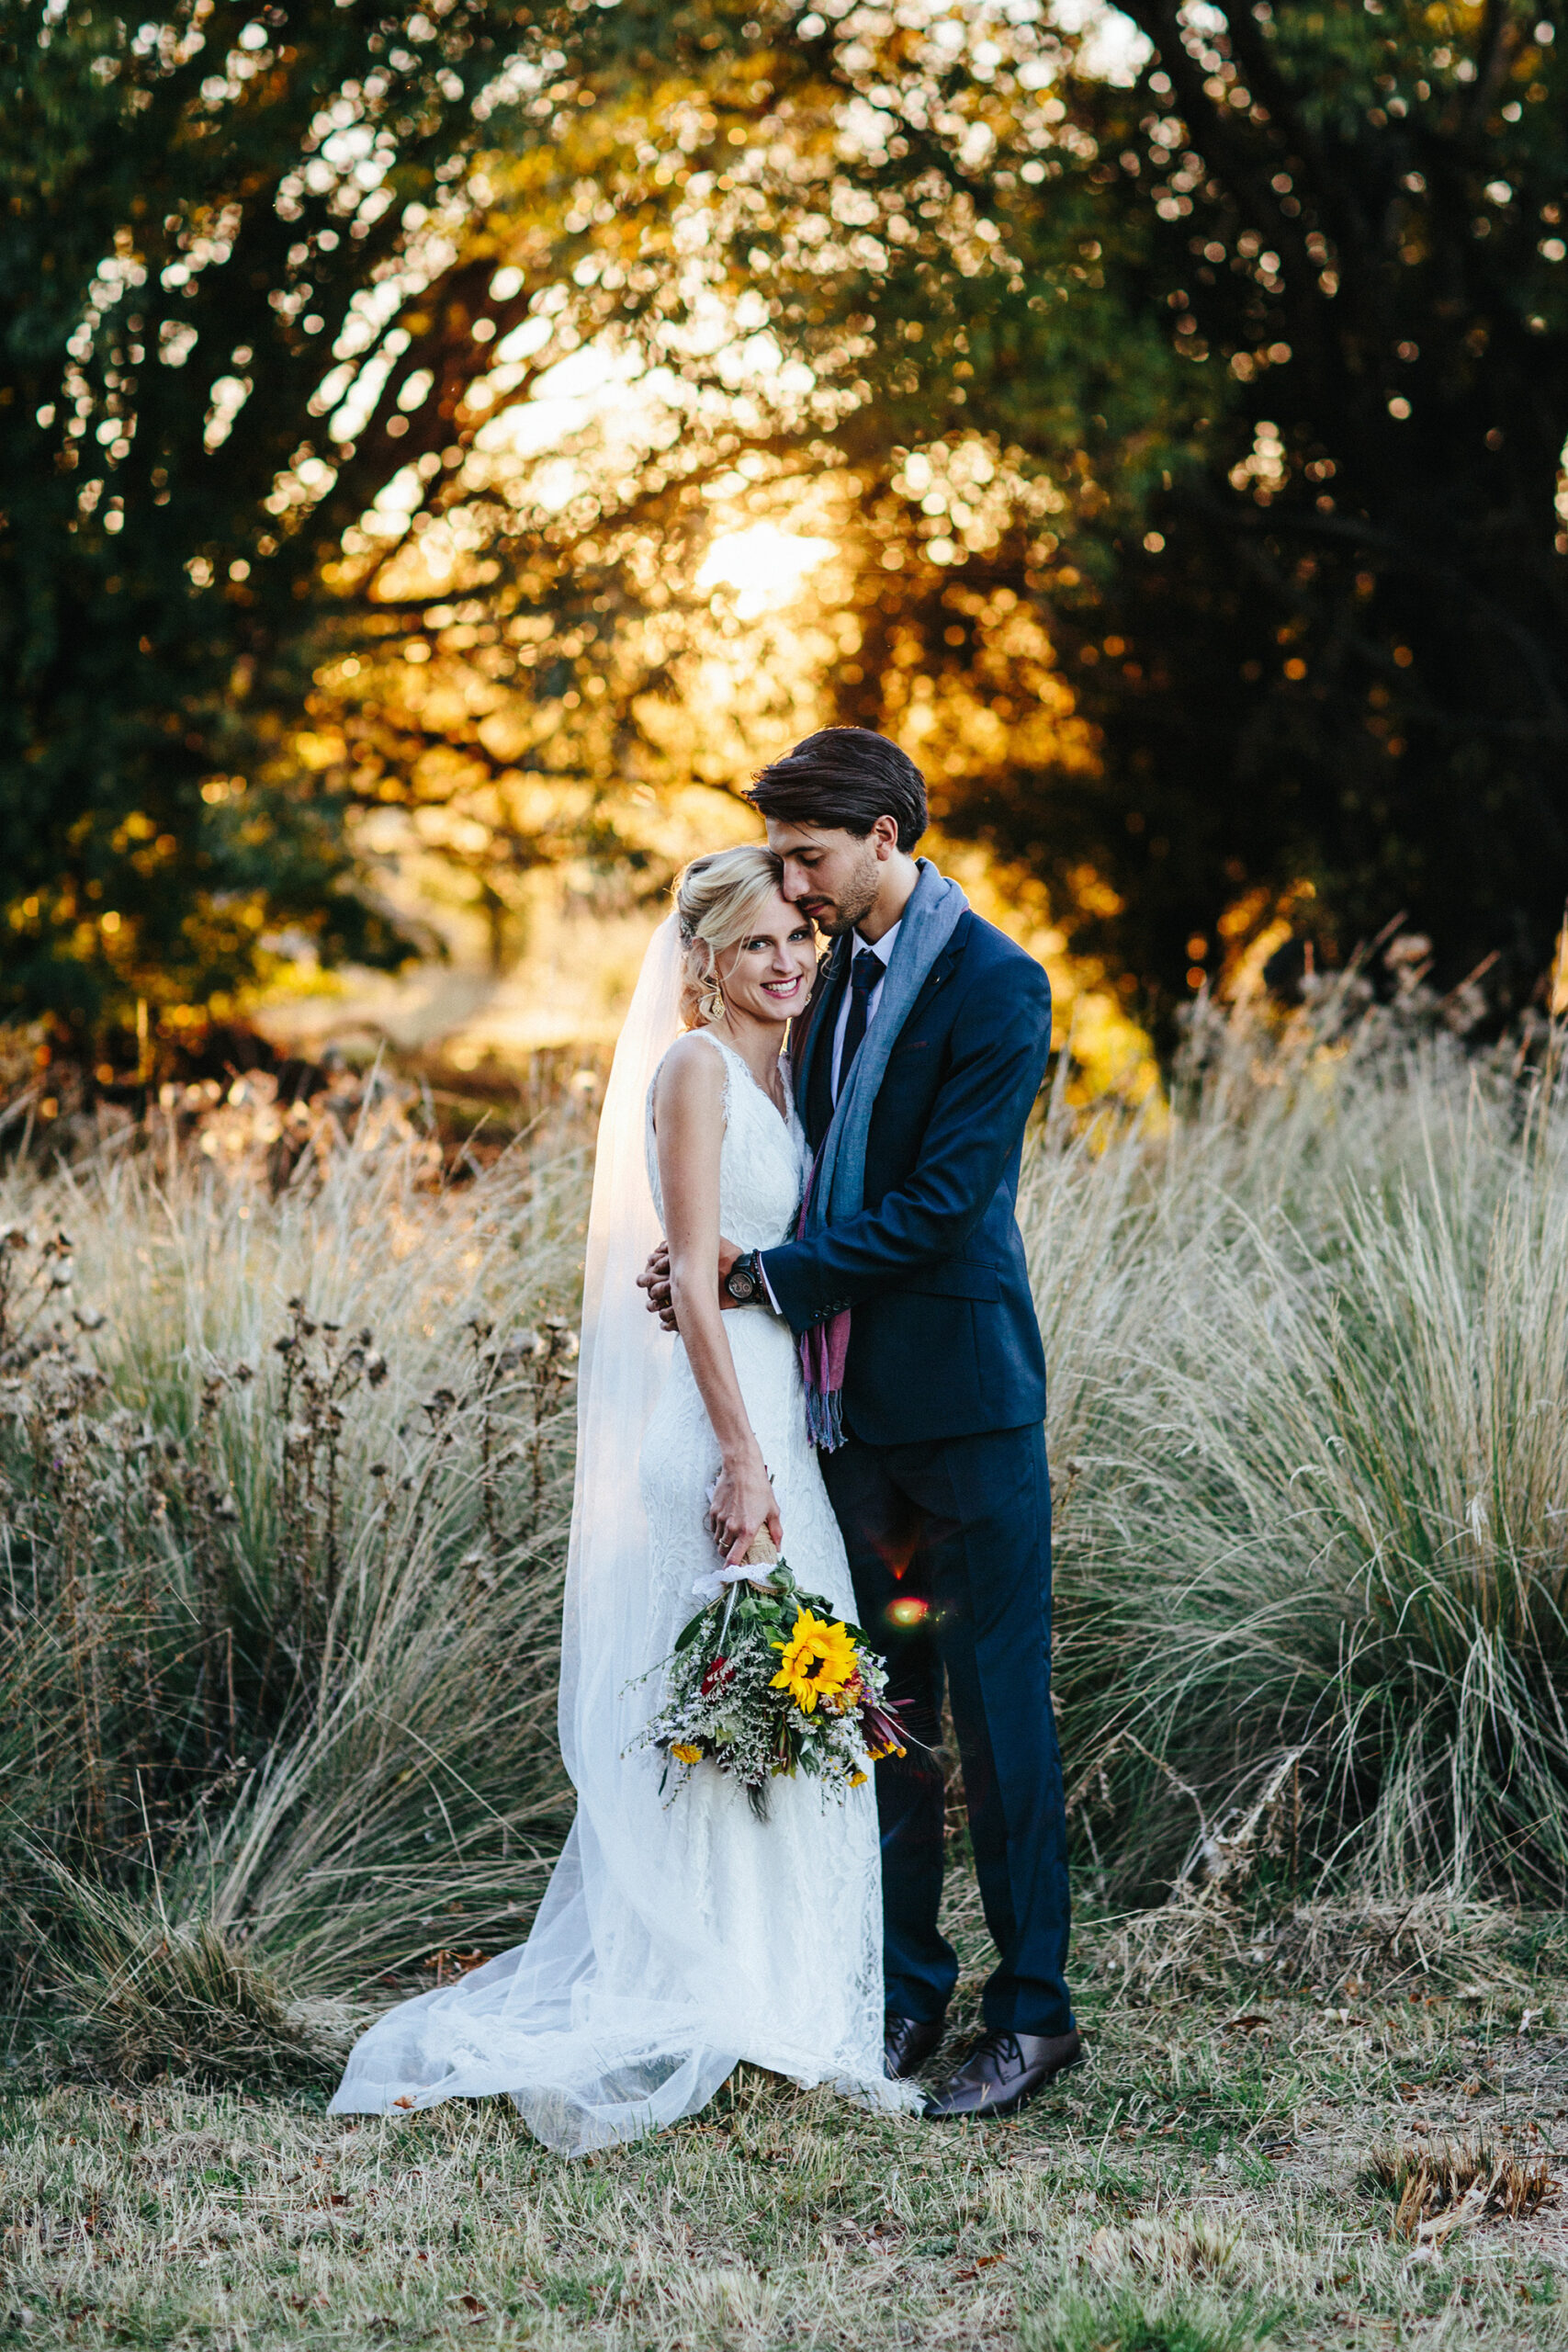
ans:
x=1195 y=437
x=1360 y=612
x=1213 y=412
x=201 y=214
x=1282 y=321
x=514 y=665
x=272 y=274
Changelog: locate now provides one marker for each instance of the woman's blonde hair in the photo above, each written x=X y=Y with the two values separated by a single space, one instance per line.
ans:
x=717 y=900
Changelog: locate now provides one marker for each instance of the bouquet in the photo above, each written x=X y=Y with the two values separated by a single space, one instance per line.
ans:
x=764 y=1683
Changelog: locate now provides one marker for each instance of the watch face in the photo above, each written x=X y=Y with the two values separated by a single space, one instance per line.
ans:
x=742 y=1284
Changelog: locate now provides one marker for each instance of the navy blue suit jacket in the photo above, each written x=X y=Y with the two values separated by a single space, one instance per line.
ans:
x=944 y=1342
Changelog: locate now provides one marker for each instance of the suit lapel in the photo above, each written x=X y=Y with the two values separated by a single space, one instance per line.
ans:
x=941 y=971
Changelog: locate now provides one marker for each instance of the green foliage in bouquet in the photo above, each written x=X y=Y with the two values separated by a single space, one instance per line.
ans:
x=765 y=1681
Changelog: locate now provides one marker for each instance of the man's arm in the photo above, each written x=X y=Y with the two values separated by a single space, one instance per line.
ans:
x=1001 y=1040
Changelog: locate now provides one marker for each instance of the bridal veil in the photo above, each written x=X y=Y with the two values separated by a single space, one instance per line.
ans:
x=593 y=2025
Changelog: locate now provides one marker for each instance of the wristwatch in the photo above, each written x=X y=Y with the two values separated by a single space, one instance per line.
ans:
x=744 y=1282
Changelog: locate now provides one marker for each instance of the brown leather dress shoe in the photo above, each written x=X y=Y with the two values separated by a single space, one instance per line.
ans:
x=1001 y=2072
x=908 y=2042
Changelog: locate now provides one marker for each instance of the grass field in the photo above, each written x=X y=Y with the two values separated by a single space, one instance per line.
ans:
x=285 y=1462
x=1209 y=2181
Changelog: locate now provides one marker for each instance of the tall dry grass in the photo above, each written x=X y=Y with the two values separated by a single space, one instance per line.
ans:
x=281 y=1527
x=1309 y=1349
x=285 y=1484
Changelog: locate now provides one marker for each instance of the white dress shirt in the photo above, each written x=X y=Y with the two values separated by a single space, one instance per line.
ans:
x=882 y=949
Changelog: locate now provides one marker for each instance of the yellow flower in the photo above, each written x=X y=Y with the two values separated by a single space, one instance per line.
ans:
x=687 y=1754
x=819 y=1660
x=859 y=1779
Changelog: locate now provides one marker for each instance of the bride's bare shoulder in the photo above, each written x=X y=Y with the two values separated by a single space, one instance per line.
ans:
x=692 y=1077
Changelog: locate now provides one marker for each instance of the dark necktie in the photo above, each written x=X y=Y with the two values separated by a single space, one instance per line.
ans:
x=864 y=974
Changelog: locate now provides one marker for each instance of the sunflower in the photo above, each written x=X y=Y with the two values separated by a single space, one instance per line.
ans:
x=819 y=1660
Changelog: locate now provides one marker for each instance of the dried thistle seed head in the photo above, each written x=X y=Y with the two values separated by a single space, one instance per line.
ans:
x=243 y=1371
x=365 y=1336
x=375 y=1368
x=563 y=1343
x=90 y=1319
x=225 y=1507
x=61 y=1276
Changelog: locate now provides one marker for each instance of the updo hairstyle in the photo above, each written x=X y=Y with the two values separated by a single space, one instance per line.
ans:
x=718 y=901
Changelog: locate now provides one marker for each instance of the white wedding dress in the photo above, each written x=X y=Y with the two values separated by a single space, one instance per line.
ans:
x=679 y=1935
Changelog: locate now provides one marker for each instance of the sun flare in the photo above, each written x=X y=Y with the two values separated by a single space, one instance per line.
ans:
x=763 y=565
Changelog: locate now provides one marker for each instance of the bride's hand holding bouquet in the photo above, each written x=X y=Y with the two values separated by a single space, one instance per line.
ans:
x=743 y=1506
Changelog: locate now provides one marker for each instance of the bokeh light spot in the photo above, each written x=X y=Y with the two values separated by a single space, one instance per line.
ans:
x=762 y=564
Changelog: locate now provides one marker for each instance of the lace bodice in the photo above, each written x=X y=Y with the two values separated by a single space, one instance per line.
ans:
x=761 y=1170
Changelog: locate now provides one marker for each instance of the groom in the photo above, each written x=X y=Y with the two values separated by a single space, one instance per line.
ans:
x=926 y=1381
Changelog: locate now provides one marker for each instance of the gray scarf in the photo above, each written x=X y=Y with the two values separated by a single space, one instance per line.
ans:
x=836 y=1189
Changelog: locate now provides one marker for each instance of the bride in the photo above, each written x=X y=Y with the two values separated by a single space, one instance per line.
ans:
x=677 y=1936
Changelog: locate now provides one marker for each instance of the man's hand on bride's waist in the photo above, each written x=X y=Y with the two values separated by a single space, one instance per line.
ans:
x=655 y=1279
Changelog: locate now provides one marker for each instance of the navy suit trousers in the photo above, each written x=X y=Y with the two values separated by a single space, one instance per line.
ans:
x=950 y=1548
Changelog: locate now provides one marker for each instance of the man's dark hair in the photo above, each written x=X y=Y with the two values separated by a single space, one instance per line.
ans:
x=844 y=776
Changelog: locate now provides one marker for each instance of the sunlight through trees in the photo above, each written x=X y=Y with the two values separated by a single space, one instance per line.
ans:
x=421 y=420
